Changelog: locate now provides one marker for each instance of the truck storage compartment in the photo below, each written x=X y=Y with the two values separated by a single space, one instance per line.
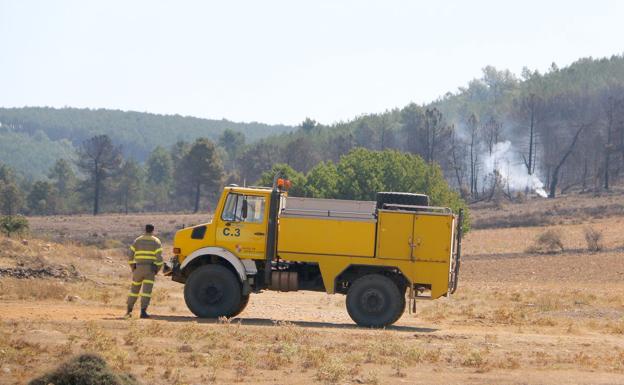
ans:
x=433 y=238
x=425 y=237
x=314 y=235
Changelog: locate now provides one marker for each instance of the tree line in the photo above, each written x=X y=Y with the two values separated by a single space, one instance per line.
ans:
x=190 y=176
x=185 y=177
x=45 y=134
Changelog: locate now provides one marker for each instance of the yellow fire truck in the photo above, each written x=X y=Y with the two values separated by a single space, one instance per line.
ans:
x=374 y=252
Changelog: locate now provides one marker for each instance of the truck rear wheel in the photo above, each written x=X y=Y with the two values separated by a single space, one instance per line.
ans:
x=374 y=300
x=213 y=291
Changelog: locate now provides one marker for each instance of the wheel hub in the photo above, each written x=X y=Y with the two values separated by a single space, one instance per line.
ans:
x=210 y=294
x=372 y=301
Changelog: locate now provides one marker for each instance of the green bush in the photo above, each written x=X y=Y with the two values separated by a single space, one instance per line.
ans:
x=13 y=224
x=86 y=369
x=361 y=173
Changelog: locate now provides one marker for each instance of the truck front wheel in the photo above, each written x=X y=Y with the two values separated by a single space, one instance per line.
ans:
x=213 y=291
x=242 y=305
x=374 y=300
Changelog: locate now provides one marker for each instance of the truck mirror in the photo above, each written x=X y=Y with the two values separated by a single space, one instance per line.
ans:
x=244 y=209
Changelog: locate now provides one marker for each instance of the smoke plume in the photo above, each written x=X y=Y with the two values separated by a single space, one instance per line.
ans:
x=512 y=169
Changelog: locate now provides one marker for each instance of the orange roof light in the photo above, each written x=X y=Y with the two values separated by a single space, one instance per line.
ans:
x=283 y=184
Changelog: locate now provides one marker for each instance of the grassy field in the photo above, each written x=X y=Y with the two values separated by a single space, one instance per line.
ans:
x=522 y=315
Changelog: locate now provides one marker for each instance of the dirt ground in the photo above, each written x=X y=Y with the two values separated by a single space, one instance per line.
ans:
x=518 y=317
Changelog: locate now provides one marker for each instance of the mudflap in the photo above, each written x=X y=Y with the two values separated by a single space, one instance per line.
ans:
x=172 y=269
x=413 y=293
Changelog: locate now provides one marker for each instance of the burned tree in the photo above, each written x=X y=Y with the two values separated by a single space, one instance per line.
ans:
x=473 y=131
x=458 y=160
x=529 y=105
x=554 y=179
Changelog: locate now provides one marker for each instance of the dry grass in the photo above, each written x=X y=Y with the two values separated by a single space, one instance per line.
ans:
x=32 y=289
x=109 y=230
x=570 y=209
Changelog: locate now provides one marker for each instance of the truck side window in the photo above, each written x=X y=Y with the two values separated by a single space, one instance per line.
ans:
x=233 y=209
x=255 y=209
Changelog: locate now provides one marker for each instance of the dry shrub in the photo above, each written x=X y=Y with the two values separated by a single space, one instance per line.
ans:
x=545 y=321
x=85 y=369
x=18 y=351
x=413 y=355
x=475 y=360
x=584 y=359
x=432 y=356
x=547 y=242
x=331 y=371
x=280 y=355
x=289 y=332
x=593 y=238
x=549 y=302
x=541 y=358
x=398 y=365
x=511 y=361
x=98 y=339
x=312 y=358
x=189 y=332
x=509 y=316
x=197 y=360
x=134 y=336
x=372 y=378
x=245 y=362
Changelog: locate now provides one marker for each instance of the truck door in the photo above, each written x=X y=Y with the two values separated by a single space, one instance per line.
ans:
x=242 y=225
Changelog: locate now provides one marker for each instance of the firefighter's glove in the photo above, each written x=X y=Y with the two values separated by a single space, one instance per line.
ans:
x=155 y=269
x=133 y=266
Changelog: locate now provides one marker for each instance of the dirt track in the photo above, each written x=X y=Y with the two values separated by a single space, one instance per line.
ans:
x=568 y=356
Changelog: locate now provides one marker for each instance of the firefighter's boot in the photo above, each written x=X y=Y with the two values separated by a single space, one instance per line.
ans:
x=144 y=313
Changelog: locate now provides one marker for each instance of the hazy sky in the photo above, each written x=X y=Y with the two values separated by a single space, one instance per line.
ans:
x=281 y=61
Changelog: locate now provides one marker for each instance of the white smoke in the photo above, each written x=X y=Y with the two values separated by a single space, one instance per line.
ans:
x=512 y=169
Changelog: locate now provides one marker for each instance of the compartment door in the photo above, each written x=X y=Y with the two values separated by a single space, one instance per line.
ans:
x=394 y=235
x=433 y=238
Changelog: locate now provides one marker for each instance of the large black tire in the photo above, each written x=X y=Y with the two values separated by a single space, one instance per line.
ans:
x=242 y=305
x=213 y=291
x=375 y=301
x=401 y=199
x=403 y=305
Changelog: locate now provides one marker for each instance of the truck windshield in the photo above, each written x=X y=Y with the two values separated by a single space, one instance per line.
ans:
x=233 y=209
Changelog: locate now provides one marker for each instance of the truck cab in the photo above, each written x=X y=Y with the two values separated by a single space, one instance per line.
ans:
x=373 y=251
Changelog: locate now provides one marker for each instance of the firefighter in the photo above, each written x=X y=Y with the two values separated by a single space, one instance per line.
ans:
x=145 y=259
